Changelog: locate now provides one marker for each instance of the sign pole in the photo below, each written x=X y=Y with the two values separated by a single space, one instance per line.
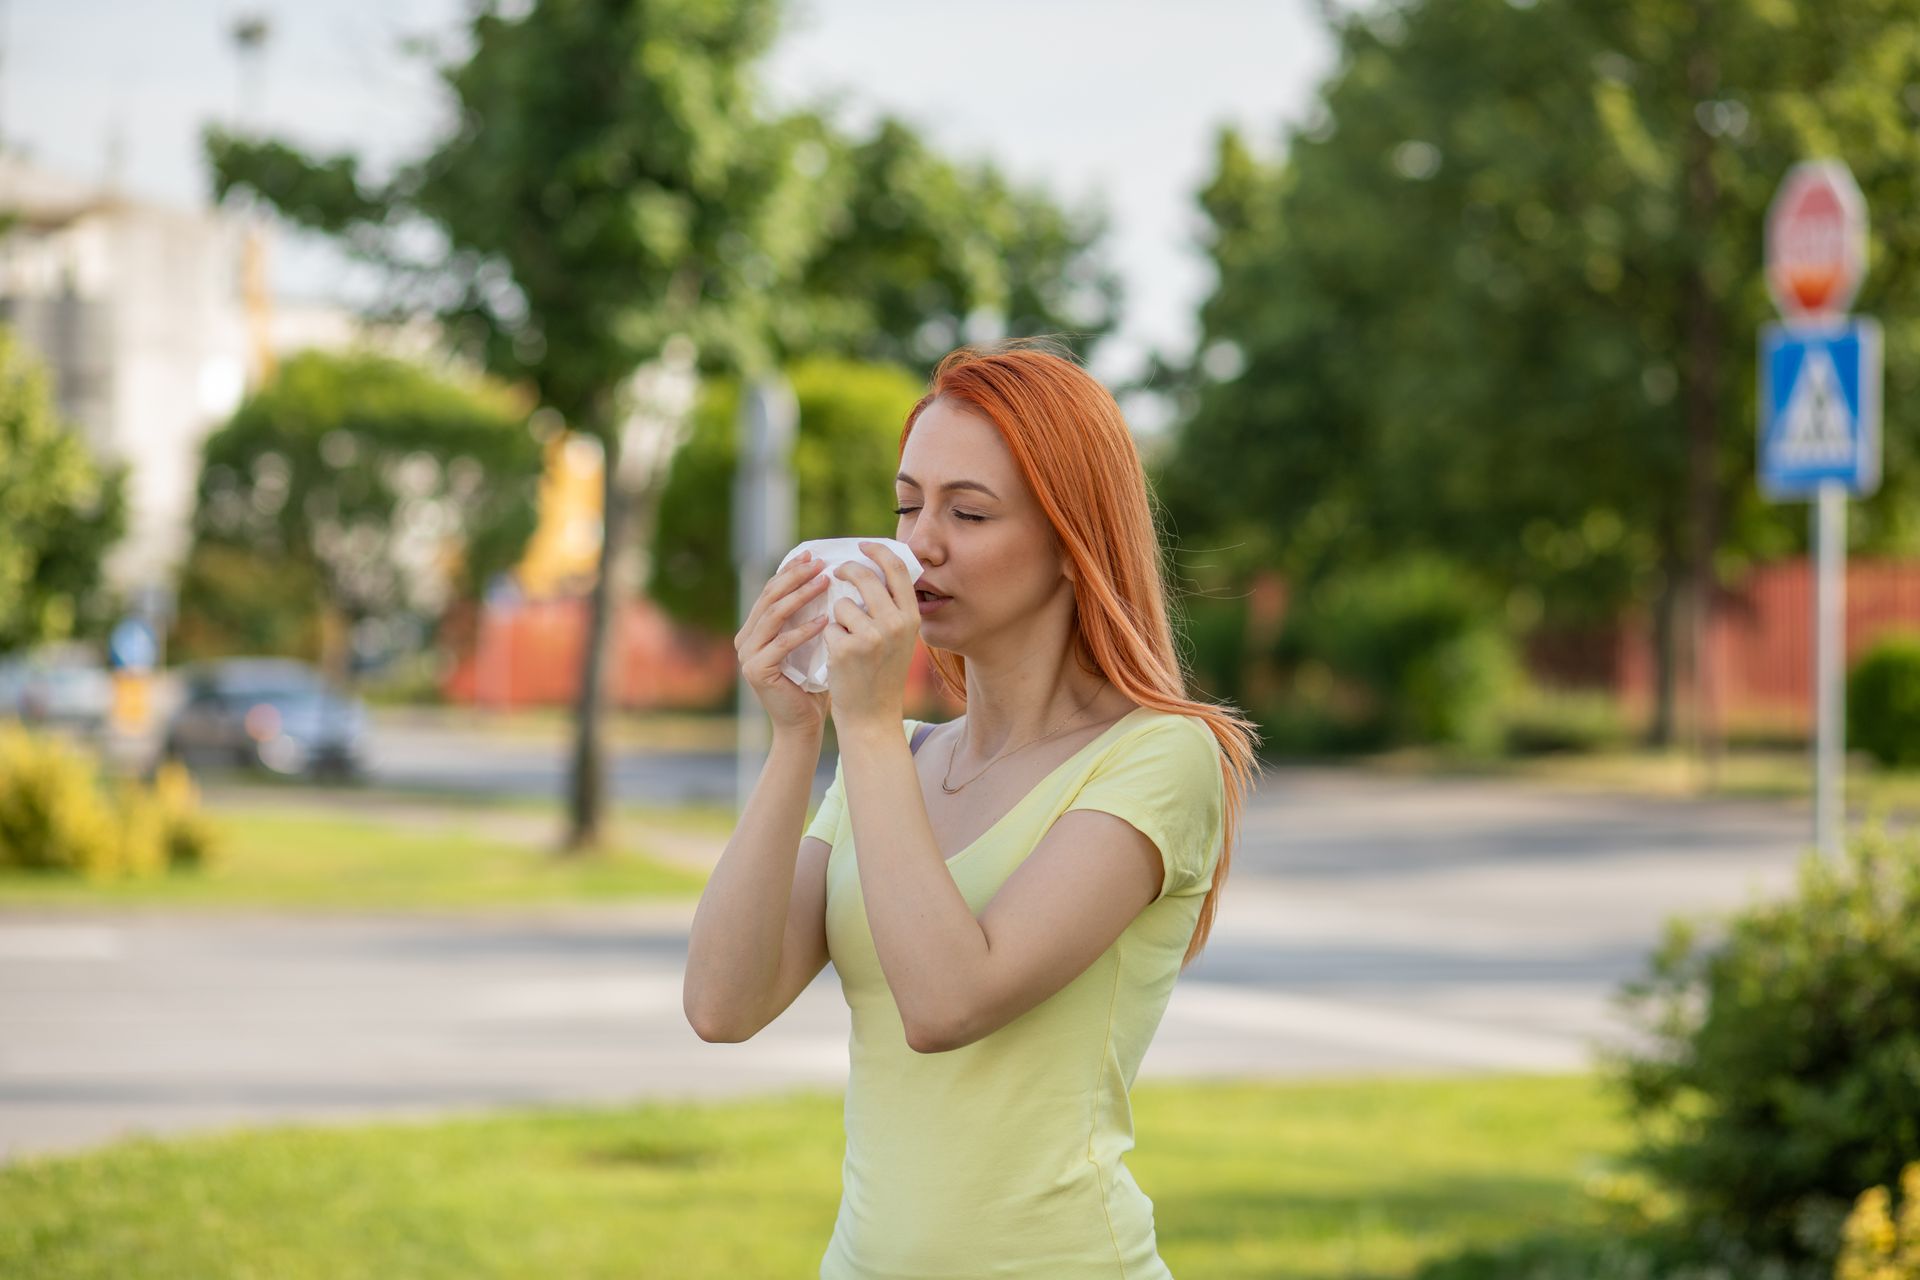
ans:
x=763 y=525
x=1830 y=608
x=1820 y=377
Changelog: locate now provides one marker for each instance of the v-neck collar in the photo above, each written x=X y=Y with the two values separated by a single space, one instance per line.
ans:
x=1034 y=790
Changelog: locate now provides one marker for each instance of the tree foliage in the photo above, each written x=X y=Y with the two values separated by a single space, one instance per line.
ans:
x=611 y=185
x=61 y=511
x=844 y=459
x=920 y=253
x=1508 y=274
x=383 y=485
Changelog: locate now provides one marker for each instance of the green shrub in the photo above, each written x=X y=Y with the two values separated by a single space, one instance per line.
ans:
x=56 y=816
x=1883 y=702
x=1215 y=628
x=53 y=816
x=1422 y=639
x=1542 y=721
x=188 y=837
x=1319 y=715
x=1781 y=1069
x=1879 y=1242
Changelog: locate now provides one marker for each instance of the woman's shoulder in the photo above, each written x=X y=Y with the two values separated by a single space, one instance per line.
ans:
x=1169 y=727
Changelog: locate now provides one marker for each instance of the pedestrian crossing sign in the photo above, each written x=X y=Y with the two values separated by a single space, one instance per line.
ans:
x=1819 y=408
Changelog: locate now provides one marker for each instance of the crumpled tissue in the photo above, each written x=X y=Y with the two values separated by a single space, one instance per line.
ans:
x=806 y=666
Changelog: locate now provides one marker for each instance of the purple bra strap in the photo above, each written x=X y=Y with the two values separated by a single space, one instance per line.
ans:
x=920 y=736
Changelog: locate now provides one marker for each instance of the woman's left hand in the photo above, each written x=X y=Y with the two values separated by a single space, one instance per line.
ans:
x=868 y=654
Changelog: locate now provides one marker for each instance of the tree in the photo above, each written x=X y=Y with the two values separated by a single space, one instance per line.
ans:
x=606 y=188
x=609 y=189
x=383 y=486
x=61 y=511
x=1501 y=296
x=922 y=254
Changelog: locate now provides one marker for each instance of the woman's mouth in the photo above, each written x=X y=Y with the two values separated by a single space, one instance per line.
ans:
x=929 y=601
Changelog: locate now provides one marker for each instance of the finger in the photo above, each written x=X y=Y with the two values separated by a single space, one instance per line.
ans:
x=775 y=616
x=893 y=571
x=770 y=658
x=872 y=589
x=794 y=571
x=852 y=618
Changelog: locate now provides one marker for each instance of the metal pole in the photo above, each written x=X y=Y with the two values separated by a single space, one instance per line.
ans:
x=1830 y=603
x=763 y=528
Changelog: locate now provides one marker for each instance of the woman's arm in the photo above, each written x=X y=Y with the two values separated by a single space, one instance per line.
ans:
x=733 y=953
x=956 y=978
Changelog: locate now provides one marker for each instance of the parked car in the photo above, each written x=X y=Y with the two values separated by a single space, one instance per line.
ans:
x=59 y=688
x=270 y=713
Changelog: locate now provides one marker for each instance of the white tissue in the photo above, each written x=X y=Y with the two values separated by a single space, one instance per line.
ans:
x=806 y=666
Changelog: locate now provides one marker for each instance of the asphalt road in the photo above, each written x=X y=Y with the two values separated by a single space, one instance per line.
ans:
x=1371 y=925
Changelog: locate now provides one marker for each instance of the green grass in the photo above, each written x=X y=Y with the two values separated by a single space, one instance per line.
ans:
x=1768 y=773
x=314 y=858
x=1279 y=1181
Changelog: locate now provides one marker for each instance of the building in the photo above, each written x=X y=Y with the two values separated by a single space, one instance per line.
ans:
x=140 y=312
x=134 y=307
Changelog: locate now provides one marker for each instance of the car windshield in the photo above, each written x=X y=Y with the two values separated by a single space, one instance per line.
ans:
x=305 y=697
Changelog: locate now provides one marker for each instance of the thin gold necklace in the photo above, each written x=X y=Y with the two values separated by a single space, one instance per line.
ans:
x=953 y=754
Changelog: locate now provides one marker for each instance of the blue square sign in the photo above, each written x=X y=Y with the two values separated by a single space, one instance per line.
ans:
x=1819 y=408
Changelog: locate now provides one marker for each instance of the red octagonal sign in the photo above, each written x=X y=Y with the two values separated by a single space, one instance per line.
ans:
x=1816 y=242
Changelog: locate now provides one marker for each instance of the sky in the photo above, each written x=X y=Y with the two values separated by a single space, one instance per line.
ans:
x=1114 y=102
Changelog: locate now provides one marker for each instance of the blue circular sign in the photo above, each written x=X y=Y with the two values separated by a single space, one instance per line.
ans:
x=132 y=646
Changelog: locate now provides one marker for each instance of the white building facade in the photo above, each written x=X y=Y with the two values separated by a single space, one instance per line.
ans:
x=135 y=309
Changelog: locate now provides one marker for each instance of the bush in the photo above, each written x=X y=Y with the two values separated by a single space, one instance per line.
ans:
x=1883 y=702
x=1319 y=716
x=1879 y=1244
x=188 y=837
x=1215 y=629
x=1782 y=1067
x=1422 y=639
x=52 y=815
x=55 y=816
x=1541 y=721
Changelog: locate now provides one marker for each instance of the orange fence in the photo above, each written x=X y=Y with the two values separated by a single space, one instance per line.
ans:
x=1759 y=646
x=1759 y=643
x=529 y=653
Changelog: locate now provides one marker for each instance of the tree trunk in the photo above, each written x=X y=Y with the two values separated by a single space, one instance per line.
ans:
x=1666 y=656
x=586 y=809
x=1701 y=382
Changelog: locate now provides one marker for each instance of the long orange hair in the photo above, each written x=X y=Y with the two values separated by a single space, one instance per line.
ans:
x=1072 y=445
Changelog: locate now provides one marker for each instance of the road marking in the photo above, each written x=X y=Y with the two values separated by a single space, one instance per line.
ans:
x=59 y=942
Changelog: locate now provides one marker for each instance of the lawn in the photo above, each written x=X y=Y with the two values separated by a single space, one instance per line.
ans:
x=379 y=858
x=1752 y=773
x=1279 y=1181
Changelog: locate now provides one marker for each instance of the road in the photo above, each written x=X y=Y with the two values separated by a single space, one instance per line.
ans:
x=1371 y=924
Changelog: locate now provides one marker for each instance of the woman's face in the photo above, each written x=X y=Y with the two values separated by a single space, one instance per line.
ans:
x=984 y=543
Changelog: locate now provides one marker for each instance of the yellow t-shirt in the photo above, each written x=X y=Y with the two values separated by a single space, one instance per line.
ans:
x=1003 y=1158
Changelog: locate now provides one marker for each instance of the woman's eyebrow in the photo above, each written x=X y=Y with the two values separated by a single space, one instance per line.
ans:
x=950 y=485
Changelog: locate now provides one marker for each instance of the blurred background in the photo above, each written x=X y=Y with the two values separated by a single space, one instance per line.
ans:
x=401 y=401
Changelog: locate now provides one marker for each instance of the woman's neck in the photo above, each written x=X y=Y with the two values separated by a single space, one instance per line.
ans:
x=1006 y=709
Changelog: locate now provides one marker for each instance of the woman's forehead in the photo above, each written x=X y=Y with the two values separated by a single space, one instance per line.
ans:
x=951 y=442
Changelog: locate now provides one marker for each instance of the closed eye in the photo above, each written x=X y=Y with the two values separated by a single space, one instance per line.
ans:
x=903 y=511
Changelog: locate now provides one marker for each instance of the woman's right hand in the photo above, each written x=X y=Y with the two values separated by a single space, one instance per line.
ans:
x=762 y=646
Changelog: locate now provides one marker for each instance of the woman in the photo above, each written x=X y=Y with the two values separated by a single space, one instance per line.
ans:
x=1030 y=878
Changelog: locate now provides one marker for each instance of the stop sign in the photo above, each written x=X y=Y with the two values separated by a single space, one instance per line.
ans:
x=1816 y=241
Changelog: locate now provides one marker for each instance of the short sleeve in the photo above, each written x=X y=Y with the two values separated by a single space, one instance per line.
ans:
x=826 y=820
x=1167 y=783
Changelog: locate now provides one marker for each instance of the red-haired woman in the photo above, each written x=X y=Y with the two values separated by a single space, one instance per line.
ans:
x=1030 y=878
